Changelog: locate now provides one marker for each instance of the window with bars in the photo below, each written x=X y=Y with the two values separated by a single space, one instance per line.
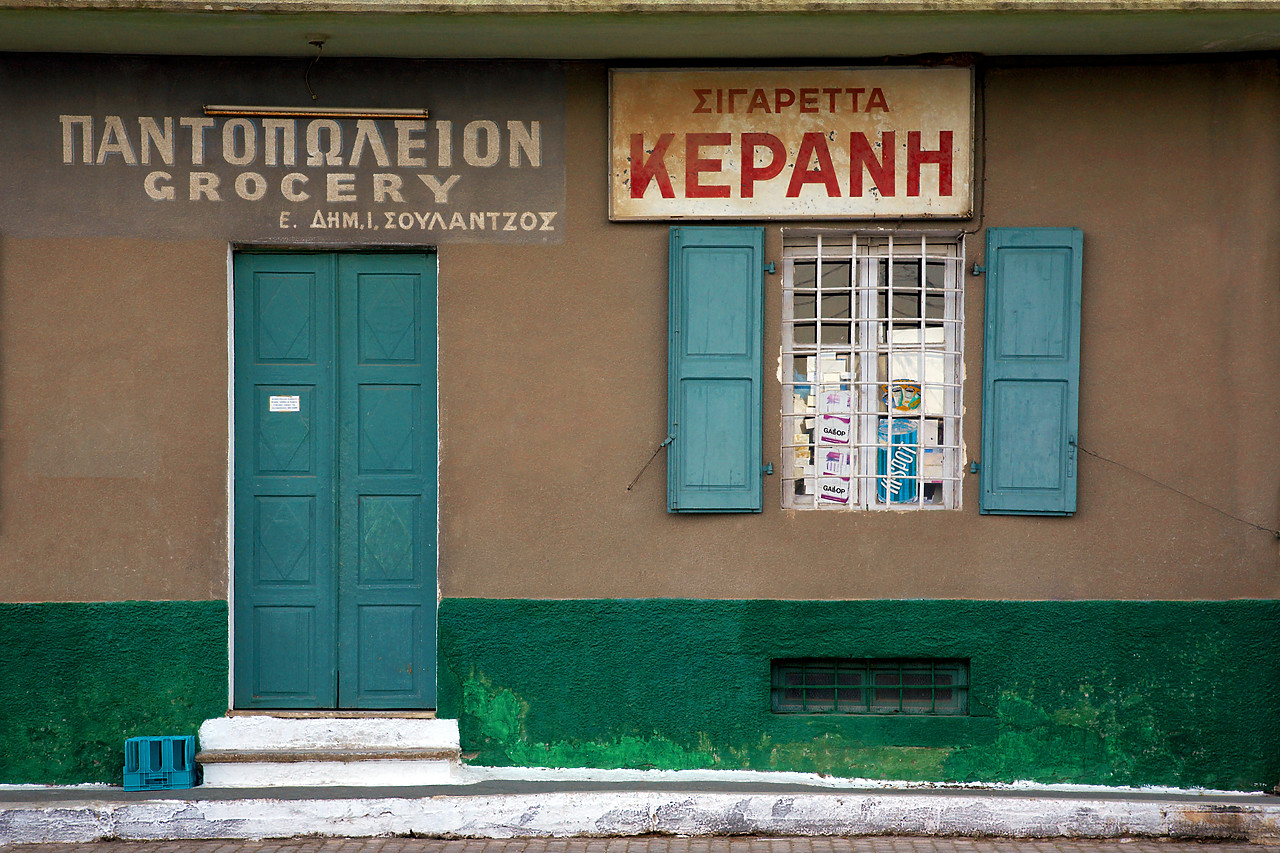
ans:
x=870 y=686
x=871 y=368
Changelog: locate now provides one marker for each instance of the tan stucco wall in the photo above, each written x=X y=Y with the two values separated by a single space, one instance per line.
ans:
x=113 y=419
x=553 y=386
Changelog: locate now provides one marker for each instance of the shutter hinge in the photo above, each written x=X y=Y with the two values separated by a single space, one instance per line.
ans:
x=979 y=269
x=973 y=467
x=768 y=468
x=770 y=268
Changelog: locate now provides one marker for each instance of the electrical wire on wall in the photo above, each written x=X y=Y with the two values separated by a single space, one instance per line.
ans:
x=981 y=94
x=1190 y=497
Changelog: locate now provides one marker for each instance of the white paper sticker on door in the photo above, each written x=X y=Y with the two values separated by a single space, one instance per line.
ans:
x=285 y=404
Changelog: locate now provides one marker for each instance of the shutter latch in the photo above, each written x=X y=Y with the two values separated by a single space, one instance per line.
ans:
x=1071 y=455
x=657 y=450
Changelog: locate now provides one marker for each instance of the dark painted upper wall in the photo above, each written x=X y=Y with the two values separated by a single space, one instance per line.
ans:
x=553 y=387
x=608 y=30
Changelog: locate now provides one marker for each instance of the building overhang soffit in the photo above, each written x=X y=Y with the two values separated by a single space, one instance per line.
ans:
x=740 y=30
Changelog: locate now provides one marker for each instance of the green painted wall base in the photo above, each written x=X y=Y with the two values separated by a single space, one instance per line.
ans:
x=80 y=678
x=1101 y=692
x=1105 y=692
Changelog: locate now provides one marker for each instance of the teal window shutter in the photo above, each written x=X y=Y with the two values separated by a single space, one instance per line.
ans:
x=1031 y=371
x=715 y=370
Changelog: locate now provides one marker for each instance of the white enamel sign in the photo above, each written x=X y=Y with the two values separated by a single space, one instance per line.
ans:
x=791 y=144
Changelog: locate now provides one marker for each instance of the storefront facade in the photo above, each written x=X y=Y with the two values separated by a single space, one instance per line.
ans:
x=404 y=412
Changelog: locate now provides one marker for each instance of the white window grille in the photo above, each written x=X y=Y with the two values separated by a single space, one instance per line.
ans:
x=872 y=361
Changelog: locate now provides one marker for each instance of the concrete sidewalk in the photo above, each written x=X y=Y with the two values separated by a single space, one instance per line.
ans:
x=669 y=804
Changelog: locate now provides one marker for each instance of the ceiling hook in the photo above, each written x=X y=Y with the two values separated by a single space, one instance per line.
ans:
x=318 y=44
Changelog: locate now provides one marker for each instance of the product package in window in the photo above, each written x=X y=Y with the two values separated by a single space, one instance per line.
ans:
x=836 y=462
x=897 y=461
x=834 y=489
x=837 y=414
x=901 y=396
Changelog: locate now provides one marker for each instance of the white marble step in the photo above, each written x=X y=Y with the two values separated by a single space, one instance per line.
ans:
x=265 y=732
x=251 y=751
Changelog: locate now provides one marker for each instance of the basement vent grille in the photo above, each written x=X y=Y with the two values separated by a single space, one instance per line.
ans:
x=871 y=686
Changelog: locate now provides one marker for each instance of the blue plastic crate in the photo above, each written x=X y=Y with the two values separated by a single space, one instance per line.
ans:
x=159 y=763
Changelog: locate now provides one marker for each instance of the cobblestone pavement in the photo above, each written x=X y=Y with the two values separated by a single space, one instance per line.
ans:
x=657 y=844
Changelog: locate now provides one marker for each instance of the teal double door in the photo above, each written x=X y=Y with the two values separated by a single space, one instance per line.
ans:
x=335 y=480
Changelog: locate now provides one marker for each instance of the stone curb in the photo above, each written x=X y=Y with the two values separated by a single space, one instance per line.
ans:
x=701 y=7
x=629 y=813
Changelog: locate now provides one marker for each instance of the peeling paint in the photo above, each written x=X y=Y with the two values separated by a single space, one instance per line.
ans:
x=1087 y=735
x=493 y=724
x=1081 y=743
x=1109 y=693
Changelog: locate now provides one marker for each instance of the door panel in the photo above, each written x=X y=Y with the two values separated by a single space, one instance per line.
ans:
x=387 y=453
x=388 y=657
x=284 y=660
x=285 y=605
x=335 y=481
x=284 y=544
